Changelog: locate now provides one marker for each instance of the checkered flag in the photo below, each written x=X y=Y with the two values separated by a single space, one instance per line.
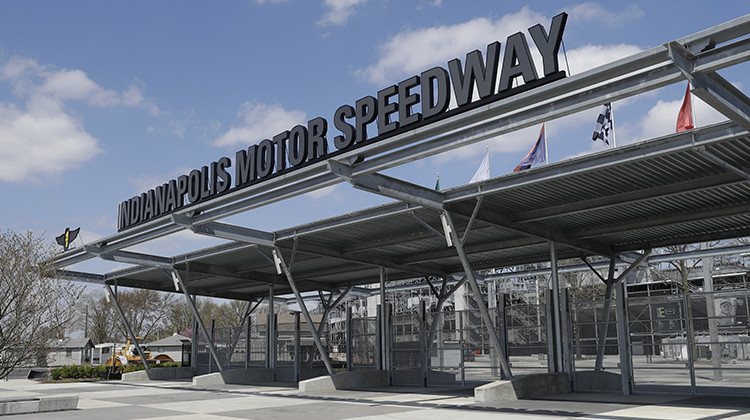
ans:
x=603 y=127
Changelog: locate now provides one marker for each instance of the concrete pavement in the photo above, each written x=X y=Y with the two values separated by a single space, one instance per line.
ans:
x=181 y=400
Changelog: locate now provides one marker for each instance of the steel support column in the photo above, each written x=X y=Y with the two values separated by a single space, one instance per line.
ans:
x=176 y=276
x=249 y=309
x=281 y=264
x=623 y=339
x=606 y=309
x=556 y=312
x=504 y=365
x=297 y=349
x=608 y=300
x=713 y=327
x=248 y=347
x=384 y=354
x=127 y=326
x=194 y=338
x=348 y=338
x=327 y=308
x=271 y=331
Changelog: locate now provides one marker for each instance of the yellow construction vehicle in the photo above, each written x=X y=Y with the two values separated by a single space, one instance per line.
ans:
x=128 y=356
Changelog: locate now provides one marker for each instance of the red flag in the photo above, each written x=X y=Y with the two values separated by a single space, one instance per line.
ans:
x=685 y=117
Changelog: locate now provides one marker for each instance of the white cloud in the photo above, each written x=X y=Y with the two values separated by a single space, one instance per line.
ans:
x=177 y=243
x=260 y=121
x=41 y=141
x=592 y=12
x=413 y=51
x=323 y=192
x=40 y=138
x=338 y=11
x=134 y=97
x=65 y=85
x=591 y=56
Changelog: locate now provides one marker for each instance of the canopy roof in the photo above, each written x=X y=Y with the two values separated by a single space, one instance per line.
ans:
x=683 y=188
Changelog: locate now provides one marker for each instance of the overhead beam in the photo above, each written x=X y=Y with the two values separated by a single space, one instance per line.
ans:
x=389 y=187
x=237 y=233
x=81 y=277
x=558 y=100
x=723 y=163
x=646 y=222
x=500 y=246
x=131 y=257
x=615 y=200
x=533 y=229
x=712 y=88
x=256 y=277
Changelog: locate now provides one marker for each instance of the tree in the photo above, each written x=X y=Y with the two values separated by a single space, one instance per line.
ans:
x=147 y=312
x=99 y=319
x=35 y=304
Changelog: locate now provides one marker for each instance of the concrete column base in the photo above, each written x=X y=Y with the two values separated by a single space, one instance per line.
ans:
x=593 y=381
x=523 y=387
x=346 y=380
x=37 y=405
x=236 y=377
x=159 y=374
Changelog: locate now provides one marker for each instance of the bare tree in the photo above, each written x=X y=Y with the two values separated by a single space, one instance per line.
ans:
x=146 y=312
x=35 y=305
x=98 y=318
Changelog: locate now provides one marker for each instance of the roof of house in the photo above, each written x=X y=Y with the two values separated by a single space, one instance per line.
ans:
x=173 y=340
x=72 y=343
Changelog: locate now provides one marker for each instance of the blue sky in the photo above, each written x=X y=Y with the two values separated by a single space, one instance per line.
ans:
x=100 y=101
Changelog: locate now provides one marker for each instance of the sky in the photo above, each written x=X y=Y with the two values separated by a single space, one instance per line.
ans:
x=100 y=101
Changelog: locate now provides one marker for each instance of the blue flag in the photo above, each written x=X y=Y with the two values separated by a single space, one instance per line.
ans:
x=536 y=155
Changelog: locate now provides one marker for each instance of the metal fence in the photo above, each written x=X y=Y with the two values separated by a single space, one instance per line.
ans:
x=688 y=343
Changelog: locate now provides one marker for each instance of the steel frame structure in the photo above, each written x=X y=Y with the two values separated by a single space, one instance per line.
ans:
x=716 y=152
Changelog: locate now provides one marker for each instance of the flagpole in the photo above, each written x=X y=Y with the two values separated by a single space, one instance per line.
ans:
x=488 y=162
x=546 y=149
x=692 y=107
x=612 y=116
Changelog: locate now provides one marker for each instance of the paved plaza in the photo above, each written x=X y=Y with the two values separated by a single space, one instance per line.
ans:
x=181 y=400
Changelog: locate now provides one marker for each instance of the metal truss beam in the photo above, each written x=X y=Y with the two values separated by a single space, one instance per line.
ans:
x=519 y=111
x=650 y=222
x=308 y=247
x=532 y=229
x=723 y=163
x=404 y=191
x=607 y=202
x=131 y=257
x=283 y=268
x=81 y=277
x=389 y=187
x=511 y=244
x=211 y=347
x=712 y=88
x=252 y=236
x=253 y=277
x=128 y=328
x=494 y=337
x=610 y=283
